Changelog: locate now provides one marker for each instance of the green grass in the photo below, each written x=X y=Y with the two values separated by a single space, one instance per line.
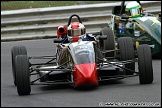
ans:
x=13 y=5
x=33 y=4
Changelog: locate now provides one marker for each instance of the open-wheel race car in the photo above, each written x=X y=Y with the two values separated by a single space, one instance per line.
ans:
x=131 y=20
x=82 y=61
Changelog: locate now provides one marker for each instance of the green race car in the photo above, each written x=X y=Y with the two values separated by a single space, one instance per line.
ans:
x=145 y=29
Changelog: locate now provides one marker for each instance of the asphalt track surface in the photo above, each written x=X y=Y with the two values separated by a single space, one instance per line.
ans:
x=122 y=92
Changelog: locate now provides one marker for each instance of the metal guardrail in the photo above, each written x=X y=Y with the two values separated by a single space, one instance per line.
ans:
x=43 y=22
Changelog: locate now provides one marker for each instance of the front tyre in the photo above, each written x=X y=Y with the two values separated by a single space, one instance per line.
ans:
x=17 y=50
x=145 y=64
x=22 y=75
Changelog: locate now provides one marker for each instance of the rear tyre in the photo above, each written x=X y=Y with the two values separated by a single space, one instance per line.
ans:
x=99 y=55
x=17 y=50
x=109 y=43
x=126 y=50
x=145 y=64
x=22 y=75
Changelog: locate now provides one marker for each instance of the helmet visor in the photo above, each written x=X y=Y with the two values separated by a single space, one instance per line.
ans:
x=75 y=32
x=135 y=11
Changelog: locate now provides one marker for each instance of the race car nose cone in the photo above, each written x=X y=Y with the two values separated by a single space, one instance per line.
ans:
x=85 y=75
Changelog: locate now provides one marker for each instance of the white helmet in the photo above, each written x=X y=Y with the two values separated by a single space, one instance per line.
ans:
x=76 y=30
x=133 y=9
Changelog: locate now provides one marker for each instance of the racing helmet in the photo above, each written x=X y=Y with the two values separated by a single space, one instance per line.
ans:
x=76 y=30
x=133 y=9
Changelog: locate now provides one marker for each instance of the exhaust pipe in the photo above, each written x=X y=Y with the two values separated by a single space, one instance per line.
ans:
x=61 y=31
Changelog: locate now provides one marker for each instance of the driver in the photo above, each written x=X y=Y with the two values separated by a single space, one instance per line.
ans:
x=133 y=9
x=76 y=31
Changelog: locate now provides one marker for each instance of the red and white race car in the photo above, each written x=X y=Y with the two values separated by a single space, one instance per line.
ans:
x=82 y=62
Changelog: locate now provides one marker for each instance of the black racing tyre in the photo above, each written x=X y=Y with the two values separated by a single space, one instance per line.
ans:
x=145 y=64
x=109 y=43
x=17 y=50
x=22 y=75
x=126 y=50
